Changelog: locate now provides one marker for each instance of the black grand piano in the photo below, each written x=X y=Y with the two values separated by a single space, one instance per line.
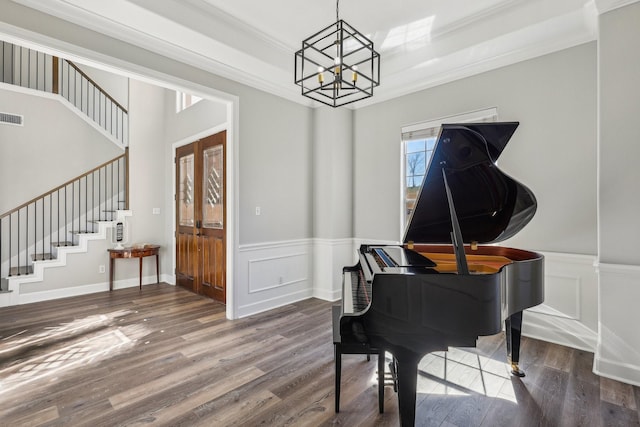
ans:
x=442 y=287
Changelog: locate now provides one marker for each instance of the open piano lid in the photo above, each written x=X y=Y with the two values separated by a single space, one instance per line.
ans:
x=490 y=206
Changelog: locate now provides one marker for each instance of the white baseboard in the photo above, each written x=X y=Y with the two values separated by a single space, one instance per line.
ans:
x=72 y=291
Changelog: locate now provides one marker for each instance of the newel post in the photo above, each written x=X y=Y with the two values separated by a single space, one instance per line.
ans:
x=54 y=75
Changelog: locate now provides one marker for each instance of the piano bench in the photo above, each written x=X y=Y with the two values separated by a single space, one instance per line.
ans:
x=341 y=348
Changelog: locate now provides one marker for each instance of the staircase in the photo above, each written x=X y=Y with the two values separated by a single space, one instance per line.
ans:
x=39 y=234
x=33 y=70
x=42 y=232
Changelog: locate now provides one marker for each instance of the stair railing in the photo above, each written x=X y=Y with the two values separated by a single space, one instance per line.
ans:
x=31 y=69
x=33 y=229
x=88 y=97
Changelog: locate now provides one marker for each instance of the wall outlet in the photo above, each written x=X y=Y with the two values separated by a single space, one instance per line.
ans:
x=101 y=269
x=257 y=210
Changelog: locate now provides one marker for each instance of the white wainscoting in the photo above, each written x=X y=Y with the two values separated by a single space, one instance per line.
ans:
x=273 y=274
x=569 y=313
x=278 y=273
x=329 y=256
x=618 y=350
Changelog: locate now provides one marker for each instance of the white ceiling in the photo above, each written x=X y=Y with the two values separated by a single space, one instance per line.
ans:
x=422 y=43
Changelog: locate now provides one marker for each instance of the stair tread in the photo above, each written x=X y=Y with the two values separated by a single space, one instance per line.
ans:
x=18 y=271
x=42 y=257
x=62 y=244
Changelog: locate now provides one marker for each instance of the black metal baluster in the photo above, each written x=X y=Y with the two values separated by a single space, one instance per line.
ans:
x=117 y=125
x=86 y=202
x=106 y=206
x=112 y=188
x=50 y=222
x=73 y=212
x=118 y=169
x=37 y=70
x=10 y=240
x=35 y=227
x=1 y=220
x=43 y=225
x=20 y=73
x=13 y=73
x=58 y=216
x=88 y=96
x=26 y=238
x=66 y=229
x=100 y=194
x=75 y=89
x=81 y=93
x=29 y=68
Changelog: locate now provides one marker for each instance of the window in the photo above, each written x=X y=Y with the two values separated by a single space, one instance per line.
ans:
x=185 y=100
x=418 y=142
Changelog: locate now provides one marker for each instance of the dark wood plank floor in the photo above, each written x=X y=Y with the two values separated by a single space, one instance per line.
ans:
x=164 y=356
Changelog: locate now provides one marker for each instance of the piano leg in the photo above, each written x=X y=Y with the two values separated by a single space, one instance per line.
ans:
x=407 y=365
x=513 y=329
x=338 y=359
x=381 y=381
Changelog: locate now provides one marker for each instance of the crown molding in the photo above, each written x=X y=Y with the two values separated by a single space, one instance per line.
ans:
x=604 y=6
x=253 y=58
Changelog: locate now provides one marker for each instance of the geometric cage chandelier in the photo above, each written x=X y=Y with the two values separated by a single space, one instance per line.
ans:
x=337 y=65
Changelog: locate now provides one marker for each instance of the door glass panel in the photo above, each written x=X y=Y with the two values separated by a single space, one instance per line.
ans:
x=213 y=173
x=186 y=211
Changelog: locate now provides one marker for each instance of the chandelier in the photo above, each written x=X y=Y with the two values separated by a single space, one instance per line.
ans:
x=337 y=65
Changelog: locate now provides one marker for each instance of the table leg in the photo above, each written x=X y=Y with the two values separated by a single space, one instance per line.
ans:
x=111 y=273
x=157 y=270
x=140 y=275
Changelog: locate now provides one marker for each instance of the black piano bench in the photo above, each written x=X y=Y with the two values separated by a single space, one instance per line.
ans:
x=354 y=347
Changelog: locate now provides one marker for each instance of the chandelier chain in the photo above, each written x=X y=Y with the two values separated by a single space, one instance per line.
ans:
x=337 y=9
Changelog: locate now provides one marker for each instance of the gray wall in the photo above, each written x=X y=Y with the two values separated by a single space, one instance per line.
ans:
x=553 y=152
x=618 y=351
x=275 y=167
x=52 y=147
x=619 y=135
x=333 y=173
x=147 y=172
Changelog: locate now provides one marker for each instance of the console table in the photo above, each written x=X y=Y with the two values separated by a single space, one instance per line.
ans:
x=133 y=252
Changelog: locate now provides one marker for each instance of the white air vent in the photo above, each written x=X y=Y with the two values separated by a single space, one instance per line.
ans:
x=11 y=119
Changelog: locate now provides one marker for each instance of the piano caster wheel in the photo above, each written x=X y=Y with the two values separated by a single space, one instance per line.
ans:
x=515 y=371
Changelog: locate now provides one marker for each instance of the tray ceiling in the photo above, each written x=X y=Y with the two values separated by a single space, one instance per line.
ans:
x=422 y=43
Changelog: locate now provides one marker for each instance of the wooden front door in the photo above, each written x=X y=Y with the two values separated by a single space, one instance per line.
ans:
x=200 y=217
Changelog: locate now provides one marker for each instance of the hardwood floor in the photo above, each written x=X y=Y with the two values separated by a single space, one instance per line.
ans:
x=165 y=356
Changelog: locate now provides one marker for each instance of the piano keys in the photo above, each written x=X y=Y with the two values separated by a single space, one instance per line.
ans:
x=444 y=286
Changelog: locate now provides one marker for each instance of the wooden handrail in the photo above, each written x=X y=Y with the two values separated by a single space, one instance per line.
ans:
x=115 y=159
x=104 y=92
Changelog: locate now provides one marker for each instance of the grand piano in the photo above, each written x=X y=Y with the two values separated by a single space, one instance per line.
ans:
x=444 y=286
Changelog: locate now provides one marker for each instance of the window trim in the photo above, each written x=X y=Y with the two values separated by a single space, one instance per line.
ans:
x=185 y=100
